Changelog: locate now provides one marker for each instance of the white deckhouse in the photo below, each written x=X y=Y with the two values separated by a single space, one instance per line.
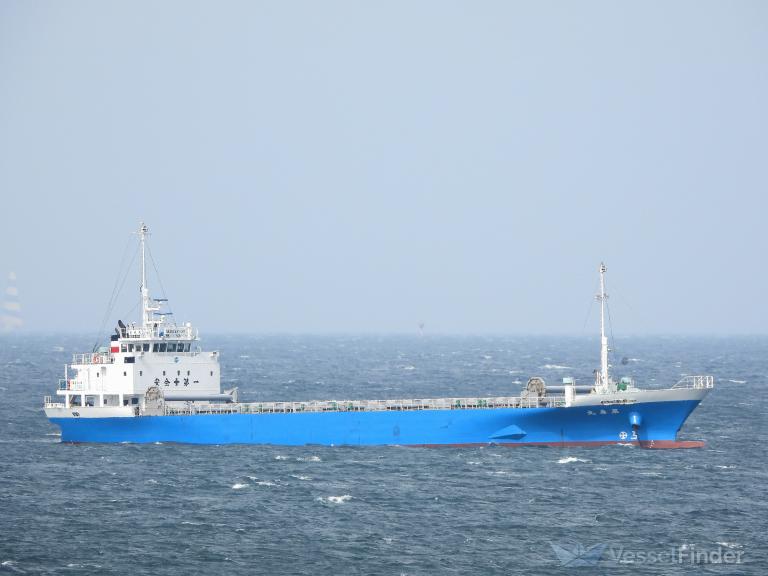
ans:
x=113 y=381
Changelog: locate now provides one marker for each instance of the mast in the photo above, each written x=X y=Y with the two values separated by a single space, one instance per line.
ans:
x=602 y=297
x=145 y=303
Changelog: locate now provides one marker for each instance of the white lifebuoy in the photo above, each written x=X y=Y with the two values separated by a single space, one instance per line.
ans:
x=96 y=358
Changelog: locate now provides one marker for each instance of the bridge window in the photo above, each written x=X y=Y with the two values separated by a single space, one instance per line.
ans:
x=123 y=348
x=146 y=347
x=171 y=346
x=162 y=347
x=154 y=347
x=130 y=347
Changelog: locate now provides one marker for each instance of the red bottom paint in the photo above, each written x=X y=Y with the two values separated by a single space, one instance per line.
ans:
x=647 y=444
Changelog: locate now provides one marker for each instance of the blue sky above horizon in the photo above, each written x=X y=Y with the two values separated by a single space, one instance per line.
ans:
x=362 y=167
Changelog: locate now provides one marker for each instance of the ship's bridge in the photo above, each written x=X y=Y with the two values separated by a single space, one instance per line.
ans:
x=155 y=352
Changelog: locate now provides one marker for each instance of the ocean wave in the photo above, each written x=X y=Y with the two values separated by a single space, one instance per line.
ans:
x=335 y=499
x=300 y=477
x=308 y=459
x=730 y=544
x=738 y=381
x=556 y=367
x=570 y=459
x=239 y=486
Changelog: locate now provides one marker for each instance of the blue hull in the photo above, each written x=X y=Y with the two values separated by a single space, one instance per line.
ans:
x=513 y=426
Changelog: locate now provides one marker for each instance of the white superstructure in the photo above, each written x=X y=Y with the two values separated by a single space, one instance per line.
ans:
x=113 y=381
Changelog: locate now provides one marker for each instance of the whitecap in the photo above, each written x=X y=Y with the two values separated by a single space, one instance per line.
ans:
x=729 y=544
x=265 y=483
x=409 y=367
x=53 y=434
x=738 y=381
x=335 y=499
x=726 y=467
x=570 y=459
x=308 y=459
x=300 y=477
x=555 y=367
x=239 y=486
x=280 y=457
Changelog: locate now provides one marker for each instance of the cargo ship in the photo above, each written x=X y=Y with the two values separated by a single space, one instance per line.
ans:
x=154 y=383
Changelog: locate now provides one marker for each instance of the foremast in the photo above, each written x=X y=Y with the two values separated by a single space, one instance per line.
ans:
x=603 y=382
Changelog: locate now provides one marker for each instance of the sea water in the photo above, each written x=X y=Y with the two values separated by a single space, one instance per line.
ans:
x=180 y=509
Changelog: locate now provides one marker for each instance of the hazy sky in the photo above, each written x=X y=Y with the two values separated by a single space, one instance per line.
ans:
x=364 y=166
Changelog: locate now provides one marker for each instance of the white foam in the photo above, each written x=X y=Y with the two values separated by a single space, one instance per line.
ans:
x=570 y=459
x=738 y=381
x=555 y=367
x=300 y=477
x=239 y=486
x=53 y=434
x=308 y=459
x=409 y=367
x=726 y=467
x=335 y=499
x=730 y=544
x=280 y=457
x=265 y=483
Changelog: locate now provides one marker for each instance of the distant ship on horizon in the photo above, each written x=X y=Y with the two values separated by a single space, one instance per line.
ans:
x=153 y=383
x=11 y=318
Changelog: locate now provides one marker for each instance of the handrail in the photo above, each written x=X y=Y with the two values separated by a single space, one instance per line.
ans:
x=93 y=358
x=367 y=405
x=696 y=382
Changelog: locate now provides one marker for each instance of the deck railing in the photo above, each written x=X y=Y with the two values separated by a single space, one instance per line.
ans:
x=367 y=405
x=697 y=382
x=94 y=358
